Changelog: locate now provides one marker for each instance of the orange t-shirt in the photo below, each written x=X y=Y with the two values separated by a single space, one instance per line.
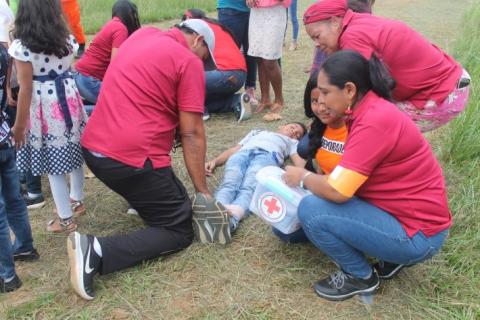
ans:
x=329 y=155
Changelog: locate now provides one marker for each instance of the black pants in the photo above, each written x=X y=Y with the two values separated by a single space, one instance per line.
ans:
x=161 y=201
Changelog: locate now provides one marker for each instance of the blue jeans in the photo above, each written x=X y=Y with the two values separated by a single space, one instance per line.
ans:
x=293 y=15
x=347 y=232
x=237 y=22
x=13 y=214
x=221 y=88
x=239 y=181
x=89 y=87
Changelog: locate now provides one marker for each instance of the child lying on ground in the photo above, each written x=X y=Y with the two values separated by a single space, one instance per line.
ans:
x=258 y=149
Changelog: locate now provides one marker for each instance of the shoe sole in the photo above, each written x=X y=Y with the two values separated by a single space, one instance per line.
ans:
x=75 y=256
x=211 y=226
x=393 y=273
x=246 y=109
x=368 y=291
x=37 y=205
x=25 y=257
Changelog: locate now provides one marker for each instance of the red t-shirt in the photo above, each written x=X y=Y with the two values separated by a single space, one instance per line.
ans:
x=96 y=59
x=422 y=71
x=401 y=174
x=227 y=54
x=153 y=76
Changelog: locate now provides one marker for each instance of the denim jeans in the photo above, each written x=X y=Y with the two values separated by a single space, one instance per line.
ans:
x=347 y=232
x=221 y=88
x=293 y=15
x=237 y=22
x=239 y=181
x=89 y=87
x=13 y=214
x=295 y=237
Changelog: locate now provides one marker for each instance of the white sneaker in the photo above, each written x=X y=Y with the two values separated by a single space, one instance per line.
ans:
x=132 y=212
x=245 y=110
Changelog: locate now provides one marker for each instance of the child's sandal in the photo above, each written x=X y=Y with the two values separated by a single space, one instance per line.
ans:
x=58 y=225
x=78 y=208
x=270 y=116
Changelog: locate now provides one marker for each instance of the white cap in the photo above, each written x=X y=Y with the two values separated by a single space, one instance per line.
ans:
x=202 y=28
x=6 y=20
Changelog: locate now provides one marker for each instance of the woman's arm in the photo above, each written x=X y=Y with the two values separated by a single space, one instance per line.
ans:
x=316 y=183
x=25 y=81
x=298 y=161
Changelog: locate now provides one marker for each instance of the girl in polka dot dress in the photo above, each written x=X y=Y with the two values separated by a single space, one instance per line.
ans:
x=50 y=114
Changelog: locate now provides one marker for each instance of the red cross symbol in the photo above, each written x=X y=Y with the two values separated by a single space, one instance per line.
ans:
x=272 y=206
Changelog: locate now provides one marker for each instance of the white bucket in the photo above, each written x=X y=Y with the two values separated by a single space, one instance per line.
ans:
x=275 y=202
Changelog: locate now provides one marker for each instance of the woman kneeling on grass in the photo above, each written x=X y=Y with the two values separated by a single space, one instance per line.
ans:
x=386 y=198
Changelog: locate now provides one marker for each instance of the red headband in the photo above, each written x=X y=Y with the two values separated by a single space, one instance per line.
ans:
x=325 y=9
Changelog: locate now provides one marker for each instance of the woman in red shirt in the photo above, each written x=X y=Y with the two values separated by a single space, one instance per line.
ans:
x=431 y=87
x=386 y=198
x=94 y=63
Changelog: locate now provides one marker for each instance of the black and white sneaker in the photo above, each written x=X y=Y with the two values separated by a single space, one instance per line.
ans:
x=31 y=255
x=11 y=285
x=243 y=111
x=387 y=270
x=211 y=222
x=34 y=203
x=84 y=263
x=341 y=286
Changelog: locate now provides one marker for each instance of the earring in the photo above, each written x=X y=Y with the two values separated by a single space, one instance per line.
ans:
x=349 y=110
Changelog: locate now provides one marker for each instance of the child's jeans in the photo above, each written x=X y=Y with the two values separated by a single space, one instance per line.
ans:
x=13 y=214
x=239 y=181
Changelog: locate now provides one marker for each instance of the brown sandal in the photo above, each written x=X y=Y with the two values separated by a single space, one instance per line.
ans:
x=276 y=107
x=271 y=116
x=78 y=208
x=58 y=225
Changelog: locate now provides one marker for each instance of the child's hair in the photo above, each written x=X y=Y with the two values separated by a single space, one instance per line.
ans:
x=304 y=127
x=193 y=14
x=200 y=14
x=361 y=6
x=127 y=12
x=40 y=26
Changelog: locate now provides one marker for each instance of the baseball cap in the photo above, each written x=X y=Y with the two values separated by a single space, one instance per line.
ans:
x=202 y=28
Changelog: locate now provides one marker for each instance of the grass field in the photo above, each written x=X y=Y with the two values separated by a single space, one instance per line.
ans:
x=95 y=13
x=257 y=276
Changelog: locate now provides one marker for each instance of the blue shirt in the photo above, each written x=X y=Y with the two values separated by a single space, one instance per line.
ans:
x=240 y=5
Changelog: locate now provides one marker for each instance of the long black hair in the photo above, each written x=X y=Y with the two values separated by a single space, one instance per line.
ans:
x=350 y=66
x=361 y=6
x=127 y=12
x=195 y=13
x=40 y=26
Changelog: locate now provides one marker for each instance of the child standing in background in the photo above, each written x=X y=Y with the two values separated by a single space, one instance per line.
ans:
x=71 y=9
x=13 y=212
x=50 y=114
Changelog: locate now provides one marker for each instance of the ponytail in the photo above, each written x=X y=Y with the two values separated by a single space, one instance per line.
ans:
x=382 y=81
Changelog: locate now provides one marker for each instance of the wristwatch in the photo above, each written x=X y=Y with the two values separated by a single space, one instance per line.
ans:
x=303 y=179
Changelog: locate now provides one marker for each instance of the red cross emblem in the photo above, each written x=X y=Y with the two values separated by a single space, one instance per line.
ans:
x=271 y=207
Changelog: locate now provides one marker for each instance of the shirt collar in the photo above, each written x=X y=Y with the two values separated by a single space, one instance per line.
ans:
x=347 y=18
x=362 y=106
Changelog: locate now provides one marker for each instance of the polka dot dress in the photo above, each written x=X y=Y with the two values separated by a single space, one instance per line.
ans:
x=51 y=148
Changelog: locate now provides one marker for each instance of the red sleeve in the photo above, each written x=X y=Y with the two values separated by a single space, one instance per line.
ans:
x=368 y=144
x=119 y=35
x=356 y=42
x=191 y=86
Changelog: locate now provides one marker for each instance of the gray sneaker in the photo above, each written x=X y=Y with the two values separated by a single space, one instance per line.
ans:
x=243 y=110
x=211 y=222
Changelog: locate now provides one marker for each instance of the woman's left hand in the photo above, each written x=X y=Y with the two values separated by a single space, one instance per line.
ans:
x=293 y=175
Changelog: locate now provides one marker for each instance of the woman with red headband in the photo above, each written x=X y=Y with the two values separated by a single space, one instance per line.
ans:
x=386 y=198
x=431 y=87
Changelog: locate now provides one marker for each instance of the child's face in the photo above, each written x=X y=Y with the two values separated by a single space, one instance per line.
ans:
x=324 y=105
x=292 y=130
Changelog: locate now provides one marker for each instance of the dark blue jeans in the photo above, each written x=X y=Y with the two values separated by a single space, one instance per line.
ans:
x=346 y=232
x=13 y=214
x=237 y=22
x=221 y=88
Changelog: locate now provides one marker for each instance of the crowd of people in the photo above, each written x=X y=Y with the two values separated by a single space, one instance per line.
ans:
x=148 y=90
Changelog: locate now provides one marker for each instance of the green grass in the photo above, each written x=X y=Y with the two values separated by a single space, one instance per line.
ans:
x=94 y=14
x=257 y=276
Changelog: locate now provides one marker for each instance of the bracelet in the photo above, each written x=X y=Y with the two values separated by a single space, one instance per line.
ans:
x=303 y=179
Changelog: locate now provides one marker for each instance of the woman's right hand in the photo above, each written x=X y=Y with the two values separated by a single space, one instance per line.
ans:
x=19 y=136
x=210 y=167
